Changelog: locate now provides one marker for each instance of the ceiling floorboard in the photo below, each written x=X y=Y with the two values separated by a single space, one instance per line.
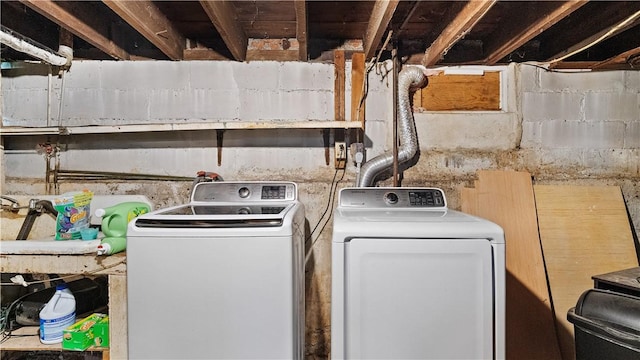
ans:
x=472 y=12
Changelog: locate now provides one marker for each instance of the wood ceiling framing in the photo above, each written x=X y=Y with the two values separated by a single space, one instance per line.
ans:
x=597 y=35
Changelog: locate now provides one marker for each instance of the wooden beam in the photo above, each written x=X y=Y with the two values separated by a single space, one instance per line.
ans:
x=148 y=20
x=620 y=59
x=81 y=21
x=358 y=73
x=472 y=12
x=301 y=28
x=224 y=18
x=594 y=39
x=525 y=25
x=339 y=84
x=378 y=22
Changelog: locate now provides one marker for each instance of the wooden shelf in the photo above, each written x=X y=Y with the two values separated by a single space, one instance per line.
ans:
x=26 y=339
x=187 y=126
x=113 y=266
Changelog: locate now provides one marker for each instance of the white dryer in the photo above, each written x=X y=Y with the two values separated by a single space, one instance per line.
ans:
x=221 y=277
x=412 y=279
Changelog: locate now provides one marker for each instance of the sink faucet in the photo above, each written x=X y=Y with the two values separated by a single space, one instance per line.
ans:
x=15 y=205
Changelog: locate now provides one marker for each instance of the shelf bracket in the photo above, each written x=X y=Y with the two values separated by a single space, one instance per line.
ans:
x=219 y=141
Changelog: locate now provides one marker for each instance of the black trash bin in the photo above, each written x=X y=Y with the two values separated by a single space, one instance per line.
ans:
x=606 y=326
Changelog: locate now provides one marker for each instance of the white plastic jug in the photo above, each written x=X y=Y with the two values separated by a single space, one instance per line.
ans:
x=58 y=314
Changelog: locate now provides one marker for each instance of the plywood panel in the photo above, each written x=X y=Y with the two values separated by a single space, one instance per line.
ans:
x=460 y=92
x=584 y=231
x=506 y=198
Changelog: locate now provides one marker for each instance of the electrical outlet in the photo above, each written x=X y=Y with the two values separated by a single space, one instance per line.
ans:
x=340 y=151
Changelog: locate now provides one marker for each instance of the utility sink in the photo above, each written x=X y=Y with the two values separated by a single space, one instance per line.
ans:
x=41 y=237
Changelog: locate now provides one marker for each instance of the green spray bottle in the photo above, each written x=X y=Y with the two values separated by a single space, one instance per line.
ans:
x=115 y=220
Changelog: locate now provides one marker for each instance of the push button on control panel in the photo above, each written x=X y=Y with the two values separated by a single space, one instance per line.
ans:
x=427 y=198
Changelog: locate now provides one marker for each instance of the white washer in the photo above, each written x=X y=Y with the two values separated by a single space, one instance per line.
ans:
x=221 y=277
x=412 y=279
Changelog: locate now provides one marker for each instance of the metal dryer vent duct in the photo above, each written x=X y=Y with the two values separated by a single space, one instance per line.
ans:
x=409 y=77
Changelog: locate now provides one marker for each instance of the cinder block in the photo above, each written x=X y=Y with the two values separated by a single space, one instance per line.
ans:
x=84 y=75
x=83 y=107
x=257 y=105
x=495 y=131
x=126 y=105
x=257 y=75
x=582 y=81
x=632 y=135
x=609 y=161
x=632 y=80
x=25 y=107
x=215 y=104
x=170 y=104
x=213 y=75
x=306 y=76
x=144 y=75
x=611 y=106
x=15 y=79
x=529 y=76
x=531 y=134
x=583 y=134
x=552 y=106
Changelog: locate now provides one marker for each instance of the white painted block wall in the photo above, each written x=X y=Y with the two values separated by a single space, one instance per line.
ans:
x=575 y=128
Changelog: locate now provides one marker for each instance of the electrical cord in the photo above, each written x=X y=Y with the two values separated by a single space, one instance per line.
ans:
x=332 y=193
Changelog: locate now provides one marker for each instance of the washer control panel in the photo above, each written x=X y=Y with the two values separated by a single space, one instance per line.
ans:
x=228 y=191
x=393 y=198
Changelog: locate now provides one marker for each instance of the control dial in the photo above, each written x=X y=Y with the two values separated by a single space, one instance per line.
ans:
x=391 y=198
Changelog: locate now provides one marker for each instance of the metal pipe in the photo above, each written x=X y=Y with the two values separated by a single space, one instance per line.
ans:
x=394 y=59
x=410 y=77
x=32 y=50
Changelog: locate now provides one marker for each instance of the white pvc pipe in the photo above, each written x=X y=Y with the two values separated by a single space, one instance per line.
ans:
x=27 y=48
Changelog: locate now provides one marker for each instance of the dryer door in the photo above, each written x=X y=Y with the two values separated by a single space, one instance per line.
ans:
x=419 y=299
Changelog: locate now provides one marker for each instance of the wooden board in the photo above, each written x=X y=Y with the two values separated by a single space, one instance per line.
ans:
x=460 y=92
x=584 y=231
x=357 y=86
x=506 y=198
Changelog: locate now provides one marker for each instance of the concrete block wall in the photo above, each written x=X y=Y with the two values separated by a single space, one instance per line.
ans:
x=589 y=120
x=564 y=128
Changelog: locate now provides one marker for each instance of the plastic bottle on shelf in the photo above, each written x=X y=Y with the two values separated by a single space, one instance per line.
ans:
x=112 y=245
x=58 y=314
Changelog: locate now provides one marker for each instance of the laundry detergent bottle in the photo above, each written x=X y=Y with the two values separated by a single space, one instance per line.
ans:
x=58 y=314
x=116 y=218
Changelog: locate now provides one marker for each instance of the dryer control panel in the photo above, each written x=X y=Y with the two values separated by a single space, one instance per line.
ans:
x=228 y=191
x=376 y=198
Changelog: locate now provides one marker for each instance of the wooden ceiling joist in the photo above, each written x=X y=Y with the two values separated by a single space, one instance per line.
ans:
x=224 y=18
x=624 y=60
x=472 y=12
x=148 y=20
x=82 y=22
x=378 y=22
x=301 y=28
x=627 y=23
x=526 y=25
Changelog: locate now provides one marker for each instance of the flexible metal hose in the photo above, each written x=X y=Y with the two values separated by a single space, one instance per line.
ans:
x=410 y=77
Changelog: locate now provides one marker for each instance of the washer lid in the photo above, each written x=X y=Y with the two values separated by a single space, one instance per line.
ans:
x=200 y=215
